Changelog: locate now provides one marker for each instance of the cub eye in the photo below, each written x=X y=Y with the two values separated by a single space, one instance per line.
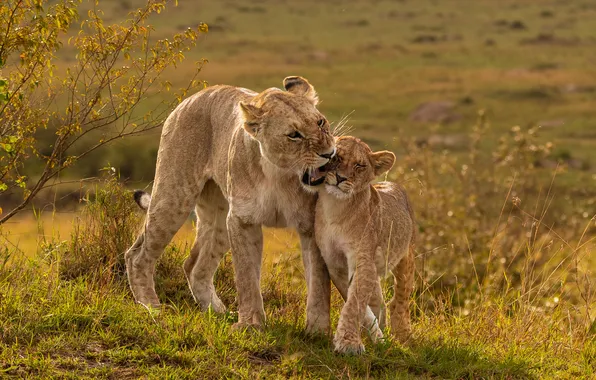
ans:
x=321 y=123
x=295 y=135
x=359 y=166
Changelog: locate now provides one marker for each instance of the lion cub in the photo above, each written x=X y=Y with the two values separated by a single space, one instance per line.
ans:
x=364 y=231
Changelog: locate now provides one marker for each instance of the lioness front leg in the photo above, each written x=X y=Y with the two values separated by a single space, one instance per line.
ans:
x=246 y=241
x=318 y=286
x=363 y=274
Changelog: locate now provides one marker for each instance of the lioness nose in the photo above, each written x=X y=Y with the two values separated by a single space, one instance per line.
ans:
x=328 y=155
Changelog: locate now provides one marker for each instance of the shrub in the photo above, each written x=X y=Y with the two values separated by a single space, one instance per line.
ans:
x=104 y=230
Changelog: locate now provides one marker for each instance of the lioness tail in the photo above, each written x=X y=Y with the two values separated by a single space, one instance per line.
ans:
x=142 y=198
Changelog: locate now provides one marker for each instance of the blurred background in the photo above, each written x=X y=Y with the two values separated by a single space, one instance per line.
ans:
x=399 y=69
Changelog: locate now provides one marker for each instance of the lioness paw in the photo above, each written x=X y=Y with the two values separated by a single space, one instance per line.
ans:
x=317 y=328
x=348 y=348
x=239 y=326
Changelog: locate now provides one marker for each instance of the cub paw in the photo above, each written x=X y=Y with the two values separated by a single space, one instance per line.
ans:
x=376 y=335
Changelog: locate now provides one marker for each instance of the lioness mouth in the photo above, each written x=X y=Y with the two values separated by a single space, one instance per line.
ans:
x=314 y=177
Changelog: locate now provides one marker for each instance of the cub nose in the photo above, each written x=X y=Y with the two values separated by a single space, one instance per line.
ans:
x=328 y=155
x=339 y=178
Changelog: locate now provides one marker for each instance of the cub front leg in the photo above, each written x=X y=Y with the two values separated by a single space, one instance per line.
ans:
x=363 y=275
x=318 y=286
x=246 y=241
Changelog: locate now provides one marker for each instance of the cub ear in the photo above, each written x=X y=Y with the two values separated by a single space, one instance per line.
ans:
x=252 y=118
x=382 y=161
x=300 y=86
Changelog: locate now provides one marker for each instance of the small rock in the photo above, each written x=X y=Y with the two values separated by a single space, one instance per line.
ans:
x=551 y=123
x=517 y=25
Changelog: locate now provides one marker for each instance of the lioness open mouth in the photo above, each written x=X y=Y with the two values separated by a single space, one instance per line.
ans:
x=314 y=177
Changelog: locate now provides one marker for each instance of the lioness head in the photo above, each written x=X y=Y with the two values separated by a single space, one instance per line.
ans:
x=354 y=167
x=291 y=132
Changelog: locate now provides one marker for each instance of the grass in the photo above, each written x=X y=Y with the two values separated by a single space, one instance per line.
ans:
x=504 y=295
x=82 y=327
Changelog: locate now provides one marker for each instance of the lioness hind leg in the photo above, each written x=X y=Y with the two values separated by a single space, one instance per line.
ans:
x=399 y=306
x=210 y=245
x=164 y=218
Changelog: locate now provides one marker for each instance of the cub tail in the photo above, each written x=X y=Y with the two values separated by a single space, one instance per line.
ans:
x=143 y=199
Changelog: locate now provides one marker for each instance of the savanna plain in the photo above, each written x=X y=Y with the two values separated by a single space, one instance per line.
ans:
x=489 y=107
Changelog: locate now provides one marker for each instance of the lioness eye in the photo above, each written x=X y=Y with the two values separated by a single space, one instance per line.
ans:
x=321 y=123
x=295 y=135
x=359 y=166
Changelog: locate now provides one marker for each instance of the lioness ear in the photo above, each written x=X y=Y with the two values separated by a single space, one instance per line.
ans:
x=300 y=86
x=382 y=161
x=252 y=118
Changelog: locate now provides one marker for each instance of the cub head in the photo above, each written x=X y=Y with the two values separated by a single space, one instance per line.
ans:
x=354 y=167
x=291 y=132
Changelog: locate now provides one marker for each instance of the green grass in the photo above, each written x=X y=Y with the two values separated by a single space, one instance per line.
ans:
x=495 y=298
x=79 y=328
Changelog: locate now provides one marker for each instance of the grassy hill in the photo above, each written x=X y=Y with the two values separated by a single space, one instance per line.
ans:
x=527 y=63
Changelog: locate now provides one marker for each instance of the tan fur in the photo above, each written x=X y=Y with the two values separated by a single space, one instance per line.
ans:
x=365 y=231
x=229 y=153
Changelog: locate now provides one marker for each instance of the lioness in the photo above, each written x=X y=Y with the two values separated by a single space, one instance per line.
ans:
x=364 y=231
x=243 y=160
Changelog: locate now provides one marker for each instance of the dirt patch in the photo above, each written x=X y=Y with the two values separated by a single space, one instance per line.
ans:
x=571 y=163
x=435 y=38
x=264 y=357
x=537 y=93
x=572 y=88
x=454 y=141
x=434 y=112
x=357 y=23
x=512 y=25
x=549 y=39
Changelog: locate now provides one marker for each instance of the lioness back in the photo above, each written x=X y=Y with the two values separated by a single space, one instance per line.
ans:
x=196 y=136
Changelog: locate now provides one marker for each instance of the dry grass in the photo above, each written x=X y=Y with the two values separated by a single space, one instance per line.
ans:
x=504 y=290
